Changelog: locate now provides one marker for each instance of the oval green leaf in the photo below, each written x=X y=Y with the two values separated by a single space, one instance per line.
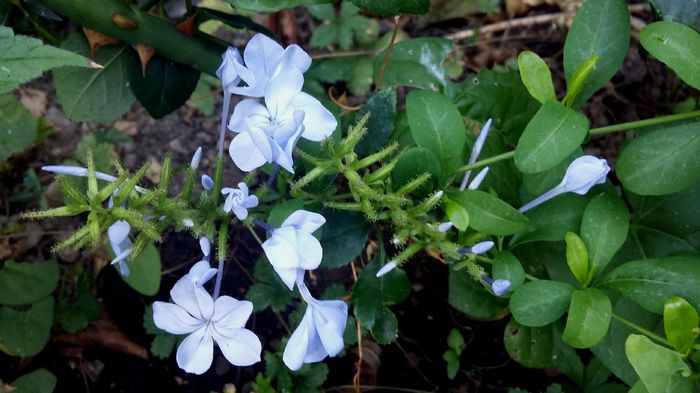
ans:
x=416 y=62
x=343 y=239
x=536 y=77
x=550 y=221
x=530 y=346
x=144 y=274
x=576 y=257
x=680 y=318
x=541 y=302
x=489 y=214
x=17 y=127
x=437 y=125
x=470 y=297
x=604 y=229
x=506 y=266
x=659 y=368
x=413 y=163
x=37 y=381
x=662 y=161
x=601 y=28
x=677 y=46
x=25 y=333
x=25 y=283
x=551 y=136
x=589 y=317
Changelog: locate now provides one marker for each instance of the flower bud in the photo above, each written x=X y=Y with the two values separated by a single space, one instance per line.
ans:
x=207 y=182
x=386 y=269
x=584 y=173
x=194 y=164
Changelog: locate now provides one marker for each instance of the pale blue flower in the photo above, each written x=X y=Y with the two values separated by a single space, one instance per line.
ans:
x=320 y=332
x=207 y=182
x=581 y=175
x=196 y=157
x=118 y=234
x=478 y=248
x=292 y=246
x=476 y=150
x=499 y=286
x=239 y=201
x=389 y=266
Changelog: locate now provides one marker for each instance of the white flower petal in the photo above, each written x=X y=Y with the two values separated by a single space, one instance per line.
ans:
x=319 y=122
x=247 y=109
x=262 y=54
x=297 y=56
x=262 y=142
x=283 y=159
x=200 y=273
x=240 y=211
x=281 y=249
x=118 y=232
x=310 y=251
x=254 y=82
x=584 y=173
x=241 y=347
x=391 y=265
x=205 y=246
x=288 y=276
x=330 y=318
x=305 y=220
x=298 y=344
x=231 y=313
x=174 y=319
x=244 y=189
x=196 y=352
x=282 y=90
x=250 y=202
x=227 y=72
x=245 y=154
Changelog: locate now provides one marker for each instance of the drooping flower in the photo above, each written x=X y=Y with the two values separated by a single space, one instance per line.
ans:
x=206 y=321
x=292 y=246
x=499 y=286
x=118 y=234
x=581 y=175
x=238 y=200
x=268 y=133
x=261 y=58
x=320 y=332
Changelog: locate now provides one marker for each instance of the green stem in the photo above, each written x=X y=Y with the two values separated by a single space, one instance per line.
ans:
x=218 y=177
x=643 y=123
x=642 y=330
x=487 y=161
x=490 y=262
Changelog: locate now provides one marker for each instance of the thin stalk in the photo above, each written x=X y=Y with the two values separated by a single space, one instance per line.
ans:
x=224 y=118
x=642 y=330
x=221 y=251
x=643 y=123
x=486 y=162
x=218 y=177
x=490 y=262
x=388 y=54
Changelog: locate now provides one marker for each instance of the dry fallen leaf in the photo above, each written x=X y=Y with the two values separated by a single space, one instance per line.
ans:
x=154 y=168
x=102 y=333
x=34 y=100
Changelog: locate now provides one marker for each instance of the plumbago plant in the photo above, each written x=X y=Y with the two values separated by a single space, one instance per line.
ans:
x=488 y=176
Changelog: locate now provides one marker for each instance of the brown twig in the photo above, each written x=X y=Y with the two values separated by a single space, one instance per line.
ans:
x=388 y=53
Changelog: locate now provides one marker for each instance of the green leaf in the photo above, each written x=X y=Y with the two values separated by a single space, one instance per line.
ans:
x=343 y=239
x=281 y=211
x=385 y=328
x=457 y=215
x=344 y=28
x=577 y=257
x=489 y=214
x=550 y=221
x=415 y=62
x=551 y=136
x=17 y=127
x=601 y=28
x=677 y=213
x=272 y=5
x=25 y=333
x=677 y=46
x=77 y=315
x=472 y=298
x=530 y=346
x=25 y=283
x=659 y=368
x=536 y=77
x=680 y=318
x=162 y=345
x=25 y=58
x=589 y=317
x=683 y=12
x=662 y=161
x=382 y=108
x=538 y=183
x=604 y=228
x=455 y=341
x=541 y=302
x=164 y=86
x=144 y=275
x=413 y=163
x=650 y=282
x=202 y=97
x=437 y=125
x=101 y=95
x=393 y=7
x=507 y=266
x=37 y=381
x=452 y=360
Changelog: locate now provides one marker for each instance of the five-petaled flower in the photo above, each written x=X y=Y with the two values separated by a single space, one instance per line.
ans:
x=292 y=246
x=238 y=200
x=205 y=321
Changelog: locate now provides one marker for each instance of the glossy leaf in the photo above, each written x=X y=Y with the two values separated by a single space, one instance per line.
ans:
x=538 y=183
x=145 y=271
x=489 y=214
x=25 y=283
x=472 y=298
x=650 y=282
x=680 y=318
x=589 y=317
x=551 y=136
x=659 y=368
x=530 y=346
x=604 y=229
x=100 y=95
x=577 y=257
x=393 y=7
x=413 y=163
x=17 y=127
x=601 y=28
x=37 y=381
x=507 y=266
x=382 y=108
x=164 y=86
x=415 y=62
x=25 y=333
x=661 y=162
x=677 y=213
x=457 y=215
x=281 y=211
x=343 y=239
x=541 y=302
x=678 y=11
x=24 y=58
x=677 y=46
x=551 y=220
x=437 y=125
x=536 y=77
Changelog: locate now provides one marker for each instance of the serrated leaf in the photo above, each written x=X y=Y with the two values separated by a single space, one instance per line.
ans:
x=17 y=126
x=100 y=95
x=25 y=333
x=25 y=283
x=25 y=58
x=677 y=46
x=162 y=345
